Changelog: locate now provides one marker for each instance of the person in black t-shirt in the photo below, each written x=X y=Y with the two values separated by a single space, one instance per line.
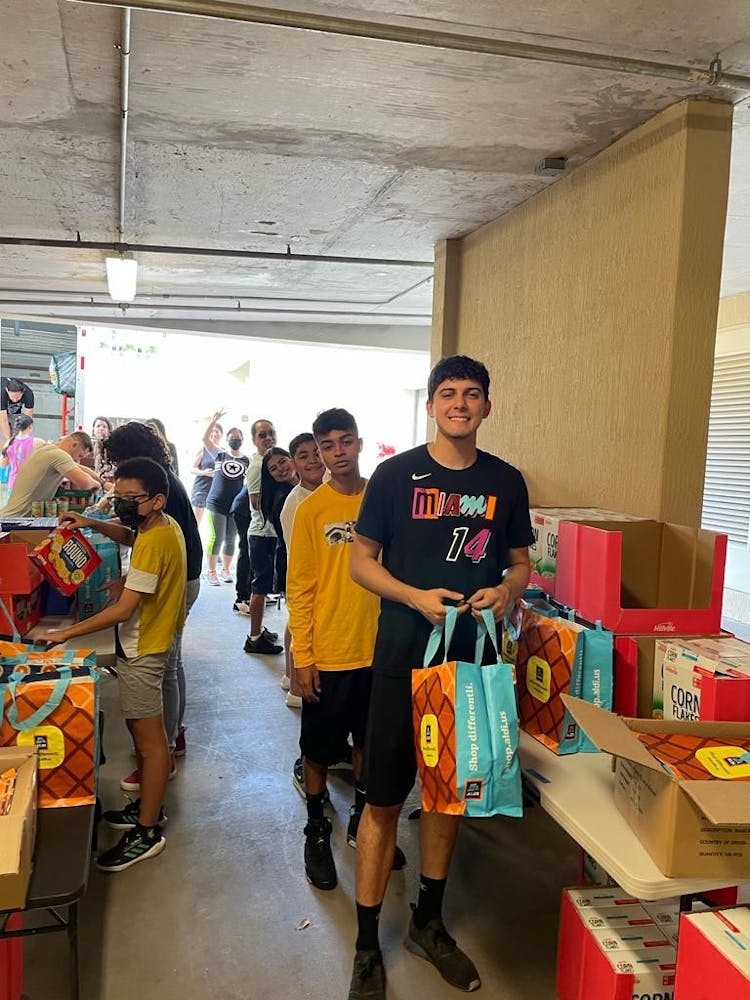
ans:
x=228 y=478
x=16 y=398
x=441 y=524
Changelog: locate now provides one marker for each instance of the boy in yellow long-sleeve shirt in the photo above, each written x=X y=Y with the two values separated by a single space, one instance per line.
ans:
x=333 y=623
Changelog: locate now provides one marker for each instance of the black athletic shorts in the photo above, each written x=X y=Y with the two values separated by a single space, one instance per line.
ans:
x=390 y=763
x=262 y=562
x=342 y=709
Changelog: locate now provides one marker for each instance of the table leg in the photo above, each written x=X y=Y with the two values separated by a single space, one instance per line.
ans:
x=73 y=949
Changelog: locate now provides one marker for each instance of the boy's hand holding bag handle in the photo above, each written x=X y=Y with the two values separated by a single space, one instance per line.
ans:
x=466 y=729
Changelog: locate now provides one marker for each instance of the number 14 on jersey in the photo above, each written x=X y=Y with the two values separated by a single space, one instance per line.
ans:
x=475 y=549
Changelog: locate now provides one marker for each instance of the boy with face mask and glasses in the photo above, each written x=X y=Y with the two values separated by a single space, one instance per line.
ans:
x=148 y=613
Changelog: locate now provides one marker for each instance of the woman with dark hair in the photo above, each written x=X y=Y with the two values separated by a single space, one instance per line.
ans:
x=100 y=431
x=138 y=440
x=161 y=430
x=277 y=477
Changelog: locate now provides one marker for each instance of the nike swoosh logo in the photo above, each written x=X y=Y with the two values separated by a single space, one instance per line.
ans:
x=423 y=476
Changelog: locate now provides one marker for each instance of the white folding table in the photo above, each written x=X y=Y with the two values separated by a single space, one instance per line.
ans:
x=577 y=792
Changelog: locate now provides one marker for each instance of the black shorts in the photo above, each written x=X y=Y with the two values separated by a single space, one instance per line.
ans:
x=343 y=708
x=390 y=764
x=262 y=560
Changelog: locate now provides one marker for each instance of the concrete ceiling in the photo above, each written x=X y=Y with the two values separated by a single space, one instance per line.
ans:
x=256 y=137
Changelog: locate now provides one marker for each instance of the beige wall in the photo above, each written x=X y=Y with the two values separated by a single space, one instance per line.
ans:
x=594 y=306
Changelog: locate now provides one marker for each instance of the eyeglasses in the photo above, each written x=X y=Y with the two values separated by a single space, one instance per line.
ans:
x=266 y=434
x=139 y=497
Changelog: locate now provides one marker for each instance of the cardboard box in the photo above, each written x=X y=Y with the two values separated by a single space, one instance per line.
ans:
x=638 y=684
x=642 y=577
x=18 y=829
x=545 y=523
x=90 y=599
x=598 y=963
x=713 y=957
x=18 y=574
x=691 y=828
x=706 y=679
x=23 y=612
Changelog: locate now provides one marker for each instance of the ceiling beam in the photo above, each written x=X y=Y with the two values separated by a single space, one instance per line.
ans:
x=224 y=10
x=78 y=245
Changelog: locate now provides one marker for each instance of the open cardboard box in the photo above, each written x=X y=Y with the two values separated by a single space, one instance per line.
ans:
x=18 y=574
x=642 y=577
x=545 y=523
x=691 y=829
x=18 y=828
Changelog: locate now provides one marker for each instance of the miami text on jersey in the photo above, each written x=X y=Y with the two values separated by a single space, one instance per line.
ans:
x=433 y=503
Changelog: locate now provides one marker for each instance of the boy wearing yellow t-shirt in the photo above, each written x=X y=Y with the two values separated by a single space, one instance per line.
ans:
x=333 y=623
x=150 y=609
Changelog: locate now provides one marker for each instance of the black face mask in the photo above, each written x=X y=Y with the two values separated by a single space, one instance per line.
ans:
x=234 y=443
x=127 y=511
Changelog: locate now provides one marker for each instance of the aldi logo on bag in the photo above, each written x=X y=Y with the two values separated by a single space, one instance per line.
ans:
x=474 y=790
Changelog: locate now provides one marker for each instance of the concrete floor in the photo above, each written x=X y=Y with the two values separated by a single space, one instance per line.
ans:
x=218 y=915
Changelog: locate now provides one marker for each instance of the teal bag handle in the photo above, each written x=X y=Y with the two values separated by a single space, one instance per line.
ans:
x=36 y=718
x=436 y=636
x=6 y=612
x=486 y=627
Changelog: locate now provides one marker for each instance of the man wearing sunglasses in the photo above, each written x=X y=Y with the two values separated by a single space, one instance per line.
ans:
x=262 y=543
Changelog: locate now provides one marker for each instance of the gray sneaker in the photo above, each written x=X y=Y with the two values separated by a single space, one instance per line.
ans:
x=368 y=976
x=434 y=943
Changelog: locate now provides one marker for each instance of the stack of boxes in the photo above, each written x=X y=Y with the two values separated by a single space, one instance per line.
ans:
x=614 y=947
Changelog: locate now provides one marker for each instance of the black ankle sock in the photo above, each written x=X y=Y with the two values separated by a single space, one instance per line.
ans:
x=367 y=926
x=430 y=904
x=315 y=807
x=359 y=798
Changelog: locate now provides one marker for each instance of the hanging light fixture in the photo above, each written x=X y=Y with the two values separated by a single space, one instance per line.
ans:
x=122 y=275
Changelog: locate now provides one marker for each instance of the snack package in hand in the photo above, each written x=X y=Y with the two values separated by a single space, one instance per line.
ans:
x=66 y=559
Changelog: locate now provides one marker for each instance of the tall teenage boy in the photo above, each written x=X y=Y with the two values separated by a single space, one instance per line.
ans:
x=451 y=524
x=333 y=624
x=148 y=613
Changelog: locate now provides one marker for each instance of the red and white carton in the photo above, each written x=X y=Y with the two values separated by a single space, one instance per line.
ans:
x=713 y=957
x=706 y=679
x=642 y=577
x=66 y=558
x=598 y=962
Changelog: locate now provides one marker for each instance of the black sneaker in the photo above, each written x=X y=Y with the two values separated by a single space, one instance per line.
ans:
x=319 y=866
x=261 y=645
x=271 y=636
x=298 y=780
x=127 y=818
x=135 y=845
x=368 y=977
x=434 y=943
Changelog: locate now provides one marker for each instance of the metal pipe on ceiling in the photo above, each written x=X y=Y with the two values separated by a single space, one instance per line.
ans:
x=87 y=306
x=224 y=10
x=124 y=111
x=22 y=241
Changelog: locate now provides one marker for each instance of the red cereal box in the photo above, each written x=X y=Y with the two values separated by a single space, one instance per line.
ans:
x=66 y=559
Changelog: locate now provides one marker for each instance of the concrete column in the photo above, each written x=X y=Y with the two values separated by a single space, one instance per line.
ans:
x=594 y=306
x=445 y=298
